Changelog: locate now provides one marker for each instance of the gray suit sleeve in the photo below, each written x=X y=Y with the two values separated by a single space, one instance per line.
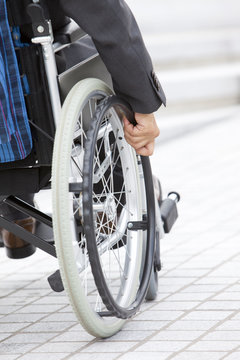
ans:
x=118 y=40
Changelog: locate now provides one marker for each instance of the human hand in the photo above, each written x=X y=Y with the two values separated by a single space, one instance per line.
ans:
x=141 y=136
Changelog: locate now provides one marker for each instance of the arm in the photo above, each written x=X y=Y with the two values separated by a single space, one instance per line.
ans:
x=118 y=40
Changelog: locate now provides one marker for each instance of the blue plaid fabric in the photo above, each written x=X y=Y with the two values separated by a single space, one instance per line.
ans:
x=15 y=134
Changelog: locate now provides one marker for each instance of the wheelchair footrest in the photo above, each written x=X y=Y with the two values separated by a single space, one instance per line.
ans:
x=55 y=282
x=169 y=211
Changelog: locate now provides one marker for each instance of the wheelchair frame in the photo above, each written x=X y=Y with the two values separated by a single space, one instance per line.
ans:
x=58 y=88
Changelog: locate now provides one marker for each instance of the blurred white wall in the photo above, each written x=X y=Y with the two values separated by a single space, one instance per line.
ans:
x=175 y=15
x=195 y=47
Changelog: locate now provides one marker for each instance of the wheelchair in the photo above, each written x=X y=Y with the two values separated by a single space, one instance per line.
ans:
x=106 y=222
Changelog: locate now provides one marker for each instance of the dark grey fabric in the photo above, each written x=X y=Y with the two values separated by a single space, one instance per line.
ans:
x=118 y=40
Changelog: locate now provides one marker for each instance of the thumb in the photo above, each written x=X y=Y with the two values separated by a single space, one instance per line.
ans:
x=126 y=122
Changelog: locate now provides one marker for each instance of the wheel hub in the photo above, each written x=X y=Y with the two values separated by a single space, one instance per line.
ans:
x=110 y=207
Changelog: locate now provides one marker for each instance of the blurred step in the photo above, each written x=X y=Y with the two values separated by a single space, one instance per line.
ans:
x=202 y=86
x=195 y=50
x=171 y=50
x=175 y=16
x=185 y=124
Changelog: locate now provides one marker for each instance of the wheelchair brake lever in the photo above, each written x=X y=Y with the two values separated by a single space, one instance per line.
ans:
x=40 y=24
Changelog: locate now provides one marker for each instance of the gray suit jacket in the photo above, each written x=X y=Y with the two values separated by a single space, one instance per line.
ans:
x=118 y=40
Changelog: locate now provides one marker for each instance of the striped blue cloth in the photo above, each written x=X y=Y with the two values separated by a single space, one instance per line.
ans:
x=15 y=134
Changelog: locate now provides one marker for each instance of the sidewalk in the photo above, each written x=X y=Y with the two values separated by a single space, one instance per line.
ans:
x=196 y=315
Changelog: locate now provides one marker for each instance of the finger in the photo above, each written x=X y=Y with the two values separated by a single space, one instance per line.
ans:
x=128 y=128
x=135 y=135
x=127 y=124
x=146 y=150
x=135 y=130
x=135 y=143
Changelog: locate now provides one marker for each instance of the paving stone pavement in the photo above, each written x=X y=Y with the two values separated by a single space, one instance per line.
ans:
x=196 y=314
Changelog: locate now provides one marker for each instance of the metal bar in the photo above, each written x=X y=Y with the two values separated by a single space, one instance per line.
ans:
x=75 y=187
x=27 y=236
x=105 y=314
x=137 y=225
x=24 y=207
x=51 y=73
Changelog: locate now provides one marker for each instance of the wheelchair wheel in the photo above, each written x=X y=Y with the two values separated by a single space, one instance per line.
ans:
x=89 y=217
x=113 y=212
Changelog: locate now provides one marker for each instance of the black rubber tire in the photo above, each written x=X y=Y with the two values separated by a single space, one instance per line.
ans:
x=111 y=304
x=153 y=286
x=153 y=283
